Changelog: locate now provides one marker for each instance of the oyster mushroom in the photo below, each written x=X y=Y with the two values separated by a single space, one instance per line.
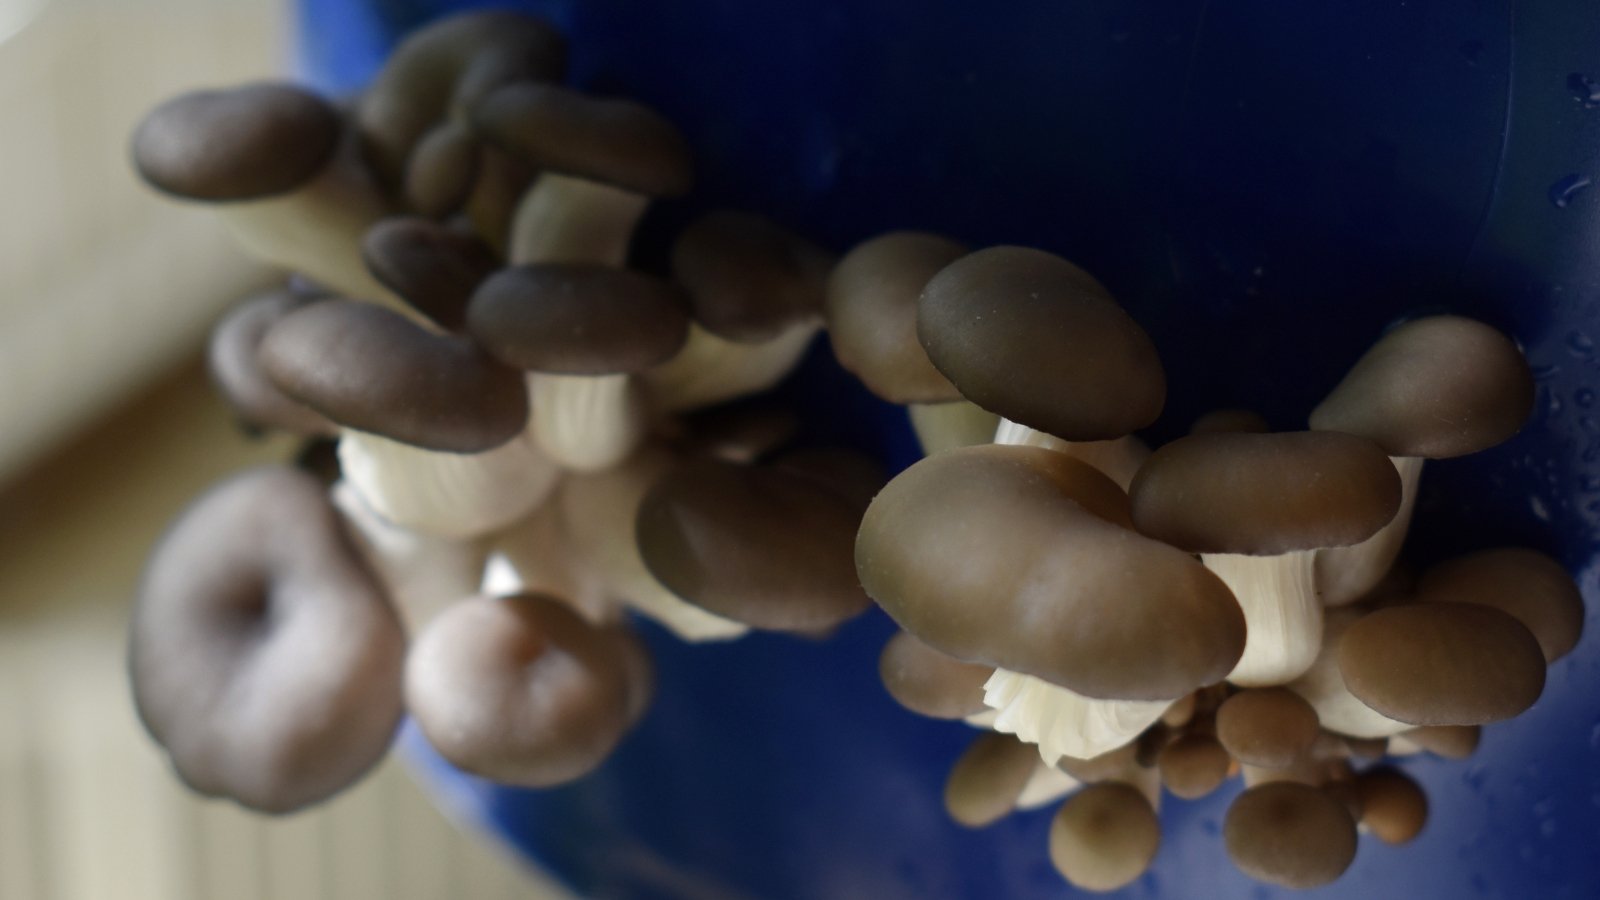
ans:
x=1290 y=834
x=1271 y=728
x=926 y=681
x=231 y=357
x=433 y=268
x=1532 y=587
x=1104 y=837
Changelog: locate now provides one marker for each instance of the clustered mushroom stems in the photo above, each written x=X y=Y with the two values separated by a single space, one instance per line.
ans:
x=1232 y=602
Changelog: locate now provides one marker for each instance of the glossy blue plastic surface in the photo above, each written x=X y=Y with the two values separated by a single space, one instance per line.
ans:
x=1265 y=185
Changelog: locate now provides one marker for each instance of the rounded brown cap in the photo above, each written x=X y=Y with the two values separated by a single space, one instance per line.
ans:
x=617 y=142
x=442 y=170
x=1267 y=727
x=1448 y=741
x=926 y=681
x=1442 y=664
x=239 y=143
x=1104 y=837
x=749 y=278
x=756 y=544
x=1016 y=557
x=231 y=358
x=432 y=267
x=988 y=778
x=1108 y=766
x=871 y=309
x=1034 y=338
x=1290 y=834
x=263 y=653
x=372 y=370
x=1265 y=494
x=521 y=689
x=578 y=319
x=1529 y=585
x=1230 y=420
x=1393 y=806
x=1436 y=387
x=1193 y=766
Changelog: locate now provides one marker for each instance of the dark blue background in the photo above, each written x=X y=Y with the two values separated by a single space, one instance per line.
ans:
x=1265 y=185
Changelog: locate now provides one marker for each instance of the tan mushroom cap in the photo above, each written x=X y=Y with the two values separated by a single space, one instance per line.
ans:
x=372 y=370
x=1448 y=741
x=1442 y=664
x=756 y=544
x=748 y=278
x=1267 y=727
x=1017 y=557
x=1265 y=494
x=1290 y=834
x=988 y=778
x=241 y=143
x=1104 y=837
x=1193 y=766
x=1230 y=420
x=1525 y=583
x=521 y=689
x=1032 y=337
x=1435 y=387
x=231 y=359
x=926 y=681
x=432 y=267
x=616 y=142
x=872 y=314
x=575 y=319
x=1393 y=806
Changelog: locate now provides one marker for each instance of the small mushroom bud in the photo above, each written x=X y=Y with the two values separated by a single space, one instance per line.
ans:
x=430 y=266
x=1290 y=834
x=231 y=356
x=988 y=779
x=926 y=681
x=1393 y=806
x=1267 y=727
x=1104 y=837
x=1193 y=766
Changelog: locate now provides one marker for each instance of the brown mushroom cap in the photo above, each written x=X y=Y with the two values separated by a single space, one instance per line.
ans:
x=263 y=653
x=1268 y=727
x=576 y=319
x=1435 y=387
x=442 y=170
x=1034 y=338
x=739 y=433
x=1290 y=834
x=240 y=143
x=1230 y=420
x=988 y=778
x=1393 y=806
x=370 y=369
x=1448 y=741
x=1104 y=837
x=749 y=278
x=442 y=70
x=1193 y=766
x=432 y=267
x=1525 y=583
x=756 y=544
x=854 y=476
x=1016 y=557
x=1265 y=494
x=1108 y=766
x=926 y=681
x=1442 y=663
x=615 y=142
x=521 y=689
x=231 y=358
x=871 y=309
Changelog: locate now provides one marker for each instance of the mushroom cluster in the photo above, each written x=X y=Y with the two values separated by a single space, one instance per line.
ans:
x=1121 y=622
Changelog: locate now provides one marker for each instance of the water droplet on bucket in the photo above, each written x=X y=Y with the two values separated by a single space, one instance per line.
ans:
x=1562 y=192
x=1540 y=511
x=1584 y=398
x=1580 y=345
x=1587 y=89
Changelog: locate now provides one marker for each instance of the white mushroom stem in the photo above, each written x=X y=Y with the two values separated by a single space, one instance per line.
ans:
x=587 y=423
x=1346 y=574
x=711 y=369
x=1119 y=459
x=1046 y=785
x=946 y=426
x=1282 y=614
x=424 y=573
x=1323 y=687
x=1400 y=745
x=1063 y=722
x=447 y=494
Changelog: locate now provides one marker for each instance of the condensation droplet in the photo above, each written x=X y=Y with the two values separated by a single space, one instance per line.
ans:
x=1585 y=89
x=1540 y=511
x=1584 y=398
x=1580 y=345
x=1564 y=190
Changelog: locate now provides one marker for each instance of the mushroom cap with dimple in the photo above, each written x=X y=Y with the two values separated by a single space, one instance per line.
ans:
x=871 y=308
x=1442 y=663
x=756 y=544
x=926 y=681
x=1034 y=338
x=1265 y=494
x=1267 y=727
x=986 y=781
x=432 y=267
x=617 y=142
x=1290 y=834
x=240 y=143
x=1104 y=837
x=1020 y=558
x=373 y=370
x=1193 y=765
x=1435 y=387
x=578 y=319
x=1529 y=585
x=748 y=278
x=1393 y=806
